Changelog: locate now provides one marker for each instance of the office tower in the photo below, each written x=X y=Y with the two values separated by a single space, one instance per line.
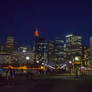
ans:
x=1 y=48
x=90 y=42
x=59 y=51
x=73 y=46
x=10 y=44
x=51 y=52
x=85 y=55
x=40 y=47
x=90 y=51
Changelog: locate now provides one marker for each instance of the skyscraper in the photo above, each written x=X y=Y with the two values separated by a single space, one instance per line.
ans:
x=1 y=48
x=10 y=44
x=51 y=52
x=73 y=46
x=40 y=47
x=91 y=51
x=59 y=51
x=90 y=42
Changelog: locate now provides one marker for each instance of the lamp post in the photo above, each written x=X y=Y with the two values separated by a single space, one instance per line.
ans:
x=27 y=58
x=70 y=64
x=76 y=60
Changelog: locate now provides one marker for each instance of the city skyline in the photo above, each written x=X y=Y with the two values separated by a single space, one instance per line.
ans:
x=54 y=19
x=45 y=44
x=3 y=41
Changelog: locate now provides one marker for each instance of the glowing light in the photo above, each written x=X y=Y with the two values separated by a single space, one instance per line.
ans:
x=25 y=71
x=11 y=67
x=24 y=51
x=37 y=61
x=63 y=66
x=23 y=67
x=69 y=35
x=70 y=62
x=27 y=57
x=36 y=33
x=76 y=58
x=42 y=63
x=46 y=64
x=42 y=67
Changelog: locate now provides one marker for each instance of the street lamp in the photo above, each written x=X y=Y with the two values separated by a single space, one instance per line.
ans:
x=76 y=60
x=27 y=58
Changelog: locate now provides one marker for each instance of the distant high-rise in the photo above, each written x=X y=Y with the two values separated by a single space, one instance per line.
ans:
x=73 y=46
x=90 y=42
x=10 y=44
x=40 y=47
x=85 y=55
x=59 y=50
x=51 y=52
x=91 y=51
x=1 y=48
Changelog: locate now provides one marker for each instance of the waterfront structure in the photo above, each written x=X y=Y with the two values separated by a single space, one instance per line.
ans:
x=24 y=57
x=4 y=59
x=16 y=58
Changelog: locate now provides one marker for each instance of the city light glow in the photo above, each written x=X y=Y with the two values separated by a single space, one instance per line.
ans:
x=70 y=62
x=36 y=33
x=27 y=57
x=76 y=58
x=37 y=61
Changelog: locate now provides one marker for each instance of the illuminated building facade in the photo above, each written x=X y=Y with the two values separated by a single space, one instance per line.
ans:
x=4 y=59
x=90 y=42
x=91 y=51
x=10 y=44
x=17 y=58
x=59 y=51
x=1 y=48
x=87 y=58
x=24 y=49
x=40 y=47
x=51 y=52
x=73 y=46
x=85 y=55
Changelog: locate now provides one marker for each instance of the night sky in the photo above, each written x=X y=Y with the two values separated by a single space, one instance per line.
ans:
x=54 y=18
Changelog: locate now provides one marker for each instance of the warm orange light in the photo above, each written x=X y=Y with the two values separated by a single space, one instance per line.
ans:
x=11 y=67
x=24 y=67
x=42 y=67
x=36 y=33
x=25 y=71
